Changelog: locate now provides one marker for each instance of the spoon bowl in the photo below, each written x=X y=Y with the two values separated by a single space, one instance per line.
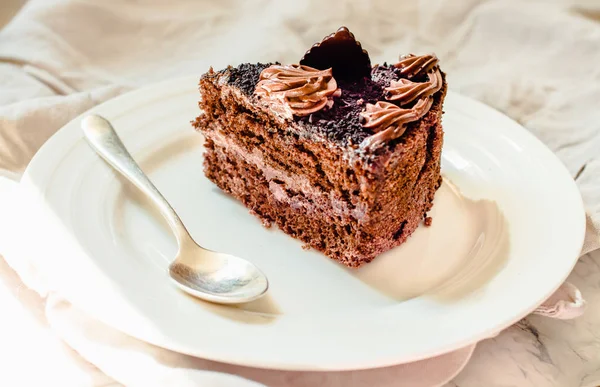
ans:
x=219 y=278
x=203 y=273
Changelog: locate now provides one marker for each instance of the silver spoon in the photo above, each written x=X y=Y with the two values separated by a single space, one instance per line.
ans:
x=206 y=274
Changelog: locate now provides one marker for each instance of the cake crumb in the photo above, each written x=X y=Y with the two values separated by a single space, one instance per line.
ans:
x=428 y=221
x=265 y=222
x=305 y=247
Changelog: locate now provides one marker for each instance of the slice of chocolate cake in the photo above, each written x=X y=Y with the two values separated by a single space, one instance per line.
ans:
x=340 y=154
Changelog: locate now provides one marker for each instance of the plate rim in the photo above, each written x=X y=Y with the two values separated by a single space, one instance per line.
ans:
x=181 y=85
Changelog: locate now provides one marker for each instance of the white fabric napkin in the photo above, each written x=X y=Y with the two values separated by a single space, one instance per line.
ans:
x=535 y=62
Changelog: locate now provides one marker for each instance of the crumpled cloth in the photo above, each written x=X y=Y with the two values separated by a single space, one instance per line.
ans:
x=536 y=62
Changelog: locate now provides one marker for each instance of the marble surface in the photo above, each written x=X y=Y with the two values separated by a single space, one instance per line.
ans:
x=542 y=352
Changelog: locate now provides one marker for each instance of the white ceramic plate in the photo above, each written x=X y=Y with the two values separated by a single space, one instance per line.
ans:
x=108 y=249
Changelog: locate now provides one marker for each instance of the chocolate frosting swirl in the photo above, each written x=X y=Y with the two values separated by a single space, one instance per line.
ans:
x=302 y=89
x=404 y=91
x=411 y=66
x=389 y=121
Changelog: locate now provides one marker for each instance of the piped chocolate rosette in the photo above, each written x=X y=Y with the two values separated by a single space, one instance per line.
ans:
x=301 y=89
x=388 y=119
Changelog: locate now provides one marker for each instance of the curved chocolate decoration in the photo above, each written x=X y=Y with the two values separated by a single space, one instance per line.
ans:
x=412 y=66
x=404 y=90
x=342 y=53
x=303 y=89
x=389 y=121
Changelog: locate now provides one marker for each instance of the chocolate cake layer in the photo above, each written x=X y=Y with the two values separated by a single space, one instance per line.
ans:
x=309 y=175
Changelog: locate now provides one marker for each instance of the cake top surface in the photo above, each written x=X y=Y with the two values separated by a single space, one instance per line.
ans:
x=334 y=91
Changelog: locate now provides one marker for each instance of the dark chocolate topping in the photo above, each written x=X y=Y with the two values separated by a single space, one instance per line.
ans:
x=246 y=76
x=340 y=124
x=342 y=53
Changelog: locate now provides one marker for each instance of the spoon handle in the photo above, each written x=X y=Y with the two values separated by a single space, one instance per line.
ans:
x=101 y=136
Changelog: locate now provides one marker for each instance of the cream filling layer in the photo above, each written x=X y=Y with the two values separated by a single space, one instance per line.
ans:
x=314 y=198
